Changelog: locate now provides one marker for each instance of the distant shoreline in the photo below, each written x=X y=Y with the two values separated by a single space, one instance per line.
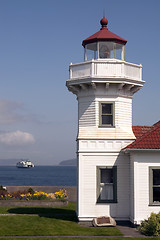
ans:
x=42 y=165
x=13 y=162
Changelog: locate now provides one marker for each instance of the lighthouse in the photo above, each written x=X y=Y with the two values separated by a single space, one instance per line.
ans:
x=104 y=84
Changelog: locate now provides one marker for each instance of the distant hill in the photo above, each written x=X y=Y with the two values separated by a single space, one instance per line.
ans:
x=8 y=162
x=71 y=162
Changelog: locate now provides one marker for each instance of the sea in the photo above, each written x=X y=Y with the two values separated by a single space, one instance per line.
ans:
x=38 y=176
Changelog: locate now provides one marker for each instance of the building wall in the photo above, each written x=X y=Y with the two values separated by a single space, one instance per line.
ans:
x=101 y=146
x=88 y=208
x=132 y=195
x=88 y=116
x=140 y=163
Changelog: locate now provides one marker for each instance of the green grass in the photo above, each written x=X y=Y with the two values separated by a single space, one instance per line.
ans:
x=37 y=210
x=48 y=222
x=80 y=238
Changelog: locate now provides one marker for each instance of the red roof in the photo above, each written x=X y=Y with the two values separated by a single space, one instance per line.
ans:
x=140 y=130
x=104 y=35
x=147 y=137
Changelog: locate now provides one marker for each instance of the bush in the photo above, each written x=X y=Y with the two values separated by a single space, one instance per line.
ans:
x=2 y=188
x=3 y=192
x=16 y=195
x=151 y=226
x=31 y=191
x=62 y=194
x=33 y=195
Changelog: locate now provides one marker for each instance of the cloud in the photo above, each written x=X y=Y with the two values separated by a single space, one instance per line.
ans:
x=17 y=138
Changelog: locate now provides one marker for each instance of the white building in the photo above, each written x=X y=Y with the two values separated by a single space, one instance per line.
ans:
x=113 y=176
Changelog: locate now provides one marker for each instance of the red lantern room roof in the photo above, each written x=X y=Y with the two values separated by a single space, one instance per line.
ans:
x=104 y=35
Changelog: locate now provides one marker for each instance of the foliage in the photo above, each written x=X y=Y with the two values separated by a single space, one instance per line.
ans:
x=151 y=226
x=33 y=195
x=2 y=188
x=79 y=238
x=15 y=195
x=62 y=194
x=3 y=191
x=30 y=190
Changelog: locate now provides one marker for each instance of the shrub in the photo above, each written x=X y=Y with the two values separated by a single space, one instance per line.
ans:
x=3 y=192
x=26 y=195
x=151 y=226
x=62 y=194
x=31 y=191
x=16 y=195
x=2 y=188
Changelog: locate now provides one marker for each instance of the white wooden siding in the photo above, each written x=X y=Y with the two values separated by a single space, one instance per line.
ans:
x=131 y=188
x=86 y=113
x=123 y=113
x=89 y=118
x=142 y=162
x=88 y=207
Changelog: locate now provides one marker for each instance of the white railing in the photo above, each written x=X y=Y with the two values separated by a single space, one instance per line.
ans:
x=108 y=68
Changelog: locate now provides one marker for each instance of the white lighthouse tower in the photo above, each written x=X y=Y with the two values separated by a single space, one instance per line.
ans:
x=104 y=85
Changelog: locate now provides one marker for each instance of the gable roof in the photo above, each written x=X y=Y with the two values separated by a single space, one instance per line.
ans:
x=147 y=137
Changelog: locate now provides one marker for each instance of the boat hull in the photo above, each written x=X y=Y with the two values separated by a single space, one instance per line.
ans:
x=25 y=164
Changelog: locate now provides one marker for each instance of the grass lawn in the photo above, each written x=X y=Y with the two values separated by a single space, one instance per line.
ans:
x=80 y=238
x=48 y=222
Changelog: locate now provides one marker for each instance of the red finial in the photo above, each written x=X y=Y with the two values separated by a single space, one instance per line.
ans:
x=104 y=22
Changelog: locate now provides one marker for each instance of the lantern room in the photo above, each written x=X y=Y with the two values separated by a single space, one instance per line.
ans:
x=104 y=44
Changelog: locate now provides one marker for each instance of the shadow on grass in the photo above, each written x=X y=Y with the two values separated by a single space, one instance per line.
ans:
x=57 y=213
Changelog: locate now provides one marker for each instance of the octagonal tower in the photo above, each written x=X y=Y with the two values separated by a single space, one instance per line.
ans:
x=104 y=85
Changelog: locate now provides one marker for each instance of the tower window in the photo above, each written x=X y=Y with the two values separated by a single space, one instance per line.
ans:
x=106 y=184
x=106 y=111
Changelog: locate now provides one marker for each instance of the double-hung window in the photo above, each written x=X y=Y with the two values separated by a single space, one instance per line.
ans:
x=106 y=184
x=106 y=114
x=154 y=188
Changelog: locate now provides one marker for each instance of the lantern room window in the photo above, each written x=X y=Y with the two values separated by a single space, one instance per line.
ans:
x=91 y=51
x=104 y=50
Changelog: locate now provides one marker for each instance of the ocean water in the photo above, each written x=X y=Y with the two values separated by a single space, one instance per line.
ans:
x=38 y=176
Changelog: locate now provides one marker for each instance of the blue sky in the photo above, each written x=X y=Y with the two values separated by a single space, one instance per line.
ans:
x=38 y=40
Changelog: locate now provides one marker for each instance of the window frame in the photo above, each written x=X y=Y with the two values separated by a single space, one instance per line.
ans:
x=114 y=200
x=157 y=203
x=100 y=114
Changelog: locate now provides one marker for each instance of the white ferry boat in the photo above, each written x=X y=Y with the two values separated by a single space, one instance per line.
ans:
x=25 y=164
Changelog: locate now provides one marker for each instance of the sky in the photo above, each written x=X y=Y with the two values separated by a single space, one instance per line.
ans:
x=38 y=41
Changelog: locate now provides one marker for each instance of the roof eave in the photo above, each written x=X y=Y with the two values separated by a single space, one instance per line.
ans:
x=126 y=150
x=93 y=40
